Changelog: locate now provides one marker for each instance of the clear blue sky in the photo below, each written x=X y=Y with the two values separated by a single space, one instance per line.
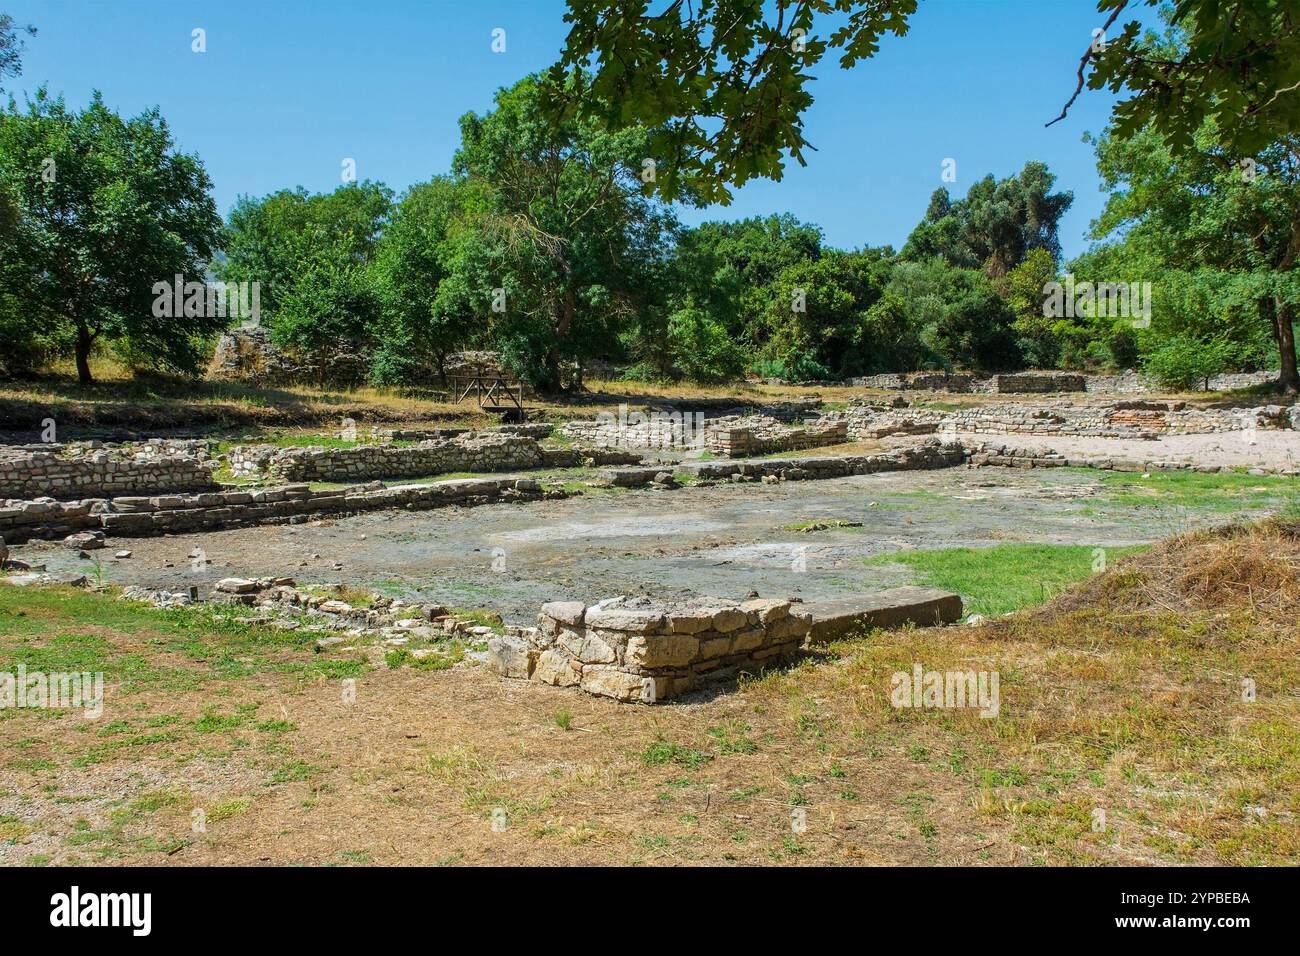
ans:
x=288 y=88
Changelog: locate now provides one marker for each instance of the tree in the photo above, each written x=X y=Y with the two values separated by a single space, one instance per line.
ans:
x=312 y=255
x=722 y=83
x=561 y=252
x=11 y=46
x=411 y=262
x=725 y=82
x=996 y=225
x=1239 y=66
x=1202 y=210
x=1023 y=289
x=107 y=208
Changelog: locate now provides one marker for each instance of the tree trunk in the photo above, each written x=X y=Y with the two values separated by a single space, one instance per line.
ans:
x=84 y=341
x=1288 y=382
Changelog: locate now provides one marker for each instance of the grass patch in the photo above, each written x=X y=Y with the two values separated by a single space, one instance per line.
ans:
x=1005 y=577
x=1218 y=493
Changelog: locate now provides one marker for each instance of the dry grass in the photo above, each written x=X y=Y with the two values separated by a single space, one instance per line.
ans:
x=1123 y=696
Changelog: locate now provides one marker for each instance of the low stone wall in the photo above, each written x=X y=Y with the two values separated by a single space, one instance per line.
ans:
x=1128 y=382
x=926 y=455
x=921 y=381
x=1016 y=457
x=732 y=436
x=758 y=435
x=176 y=514
x=1031 y=383
x=1122 y=419
x=79 y=472
x=481 y=452
x=638 y=650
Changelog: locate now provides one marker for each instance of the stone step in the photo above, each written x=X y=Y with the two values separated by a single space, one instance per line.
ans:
x=845 y=617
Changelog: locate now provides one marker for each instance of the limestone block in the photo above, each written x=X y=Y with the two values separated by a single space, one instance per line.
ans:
x=661 y=650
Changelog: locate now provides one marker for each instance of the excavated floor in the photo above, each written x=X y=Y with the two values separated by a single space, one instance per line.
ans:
x=723 y=541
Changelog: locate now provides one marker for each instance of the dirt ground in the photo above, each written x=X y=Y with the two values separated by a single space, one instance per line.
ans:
x=723 y=541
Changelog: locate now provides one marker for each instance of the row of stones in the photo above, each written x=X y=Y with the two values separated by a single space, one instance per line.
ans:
x=1126 y=383
x=637 y=650
x=1117 y=420
x=993 y=454
x=210 y=511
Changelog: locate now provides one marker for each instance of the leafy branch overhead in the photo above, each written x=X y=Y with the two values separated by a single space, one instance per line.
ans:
x=1239 y=65
x=722 y=83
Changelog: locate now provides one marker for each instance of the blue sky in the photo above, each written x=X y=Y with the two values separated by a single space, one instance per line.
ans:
x=287 y=90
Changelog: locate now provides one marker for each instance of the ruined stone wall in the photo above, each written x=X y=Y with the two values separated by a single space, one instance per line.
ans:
x=1128 y=382
x=485 y=452
x=638 y=650
x=80 y=472
x=731 y=436
x=1123 y=419
x=926 y=455
x=174 y=514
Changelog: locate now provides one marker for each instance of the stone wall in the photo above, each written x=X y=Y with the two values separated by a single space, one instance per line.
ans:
x=1128 y=382
x=926 y=455
x=483 y=452
x=174 y=514
x=732 y=436
x=81 y=471
x=1031 y=383
x=247 y=354
x=475 y=452
x=1122 y=419
x=639 y=650
x=759 y=435
x=1010 y=456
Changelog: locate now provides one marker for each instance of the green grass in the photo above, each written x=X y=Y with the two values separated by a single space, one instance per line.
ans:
x=67 y=629
x=1005 y=577
x=1219 y=493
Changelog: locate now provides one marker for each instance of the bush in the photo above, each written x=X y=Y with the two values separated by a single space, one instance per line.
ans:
x=1186 y=364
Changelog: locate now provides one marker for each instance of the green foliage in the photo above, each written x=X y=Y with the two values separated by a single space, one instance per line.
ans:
x=313 y=257
x=1186 y=364
x=1234 y=63
x=996 y=225
x=722 y=85
x=105 y=208
x=560 y=228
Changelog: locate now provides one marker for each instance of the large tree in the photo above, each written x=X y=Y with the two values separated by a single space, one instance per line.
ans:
x=1240 y=66
x=1202 y=212
x=312 y=255
x=417 y=329
x=996 y=225
x=564 y=251
x=106 y=208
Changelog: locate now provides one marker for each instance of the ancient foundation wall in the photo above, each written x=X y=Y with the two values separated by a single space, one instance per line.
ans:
x=638 y=650
x=173 y=514
x=99 y=473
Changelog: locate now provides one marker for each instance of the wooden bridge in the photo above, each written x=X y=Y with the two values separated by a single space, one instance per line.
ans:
x=492 y=393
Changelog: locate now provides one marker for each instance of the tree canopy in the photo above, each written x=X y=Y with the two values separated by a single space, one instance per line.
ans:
x=105 y=208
